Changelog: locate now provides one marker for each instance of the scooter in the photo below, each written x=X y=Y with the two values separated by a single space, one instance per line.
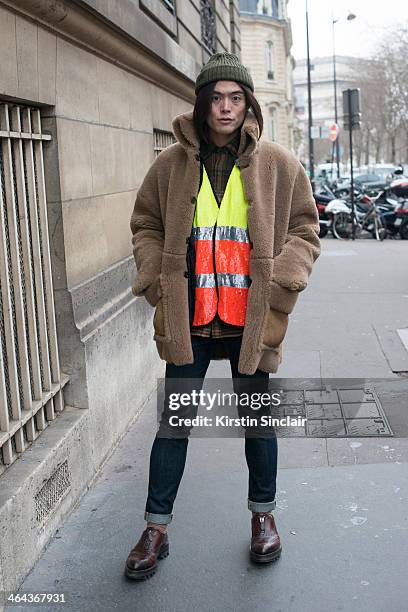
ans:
x=334 y=207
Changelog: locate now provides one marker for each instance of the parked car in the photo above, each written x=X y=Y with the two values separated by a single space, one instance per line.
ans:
x=328 y=171
x=386 y=171
x=370 y=182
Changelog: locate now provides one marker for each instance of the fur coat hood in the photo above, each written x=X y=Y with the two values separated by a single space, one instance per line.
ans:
x=184 y=131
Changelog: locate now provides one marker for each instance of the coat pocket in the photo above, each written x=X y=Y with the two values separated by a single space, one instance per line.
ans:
x=152 y=292
x=160 y=321
x=274 y=324
x=274 y=328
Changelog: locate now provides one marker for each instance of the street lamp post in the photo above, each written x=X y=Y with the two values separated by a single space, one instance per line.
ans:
x=350 y=17
x=309 y=102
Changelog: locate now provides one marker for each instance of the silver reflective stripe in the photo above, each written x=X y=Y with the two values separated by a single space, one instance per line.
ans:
x=241 y=281
x=237 y=281
x=204 y=281
x=227 y=232
x=203 y=233
x=223 y=232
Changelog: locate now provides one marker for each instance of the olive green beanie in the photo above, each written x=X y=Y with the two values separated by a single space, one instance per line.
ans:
x=223 y=67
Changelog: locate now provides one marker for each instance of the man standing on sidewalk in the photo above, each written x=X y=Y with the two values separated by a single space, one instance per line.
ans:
x=225 y=234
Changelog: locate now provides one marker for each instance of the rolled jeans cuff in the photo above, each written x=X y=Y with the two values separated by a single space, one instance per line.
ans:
x=160 y=519
x=261 y=506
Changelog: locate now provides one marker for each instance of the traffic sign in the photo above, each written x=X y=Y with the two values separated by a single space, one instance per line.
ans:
x=315 y=131
x=333 y=132
x=351 y=109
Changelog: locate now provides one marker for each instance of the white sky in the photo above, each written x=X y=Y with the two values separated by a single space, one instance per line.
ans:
x=356 y=38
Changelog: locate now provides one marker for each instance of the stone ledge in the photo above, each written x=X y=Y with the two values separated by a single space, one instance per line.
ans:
x=22 y=537
x=103 y=296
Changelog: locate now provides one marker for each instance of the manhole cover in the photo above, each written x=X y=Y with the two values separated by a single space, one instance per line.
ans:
x=325 y=427
x=367 y=427
x=334 y=413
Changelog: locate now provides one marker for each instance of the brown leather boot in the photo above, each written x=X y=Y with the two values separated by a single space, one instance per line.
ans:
x=265 y=542
x=142 y=560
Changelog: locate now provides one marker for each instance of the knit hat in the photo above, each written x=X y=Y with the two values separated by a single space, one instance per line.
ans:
x=223 y=67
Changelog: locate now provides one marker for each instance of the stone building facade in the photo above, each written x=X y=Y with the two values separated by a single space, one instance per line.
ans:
x=347 y=75
x=88 y=91
x=266 y=39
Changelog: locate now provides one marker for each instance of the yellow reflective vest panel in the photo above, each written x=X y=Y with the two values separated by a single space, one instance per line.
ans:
x=222 y=250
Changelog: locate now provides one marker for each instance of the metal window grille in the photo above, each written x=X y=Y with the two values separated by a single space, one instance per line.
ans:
x=161 y=140
x=208 y=31
x=52 y=492
x=30 y=379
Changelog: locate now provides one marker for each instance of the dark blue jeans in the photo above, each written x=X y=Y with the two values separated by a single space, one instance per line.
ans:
x=168 y=455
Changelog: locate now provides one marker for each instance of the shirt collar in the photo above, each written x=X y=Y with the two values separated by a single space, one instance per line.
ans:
x=207 y=148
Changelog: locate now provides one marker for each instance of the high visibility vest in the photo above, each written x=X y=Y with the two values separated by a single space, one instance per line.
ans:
x=222 y=249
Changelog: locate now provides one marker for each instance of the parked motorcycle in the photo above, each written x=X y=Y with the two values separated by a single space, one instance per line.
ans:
x=401 y=220
x=321 y=203
x=390 y=208
x=333 y=208
x=400 y=188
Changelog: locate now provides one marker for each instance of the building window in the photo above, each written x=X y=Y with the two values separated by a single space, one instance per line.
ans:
x=269 y=60
x=269 y=7
x=272 y=123
x=208 y=32
x=169 y=4
x=163 y=13
x=161 y=140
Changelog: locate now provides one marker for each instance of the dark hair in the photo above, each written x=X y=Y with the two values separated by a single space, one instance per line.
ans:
x=202 y=108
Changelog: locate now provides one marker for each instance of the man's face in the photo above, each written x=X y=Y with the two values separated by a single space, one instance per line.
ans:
x=228 y=107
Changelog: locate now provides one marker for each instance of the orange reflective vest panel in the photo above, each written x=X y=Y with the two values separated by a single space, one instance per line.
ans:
x=222 y=249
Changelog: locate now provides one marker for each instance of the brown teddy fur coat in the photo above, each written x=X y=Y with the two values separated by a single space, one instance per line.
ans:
x=283 y=228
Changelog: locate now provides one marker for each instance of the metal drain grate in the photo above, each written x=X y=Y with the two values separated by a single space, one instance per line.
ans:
x=51 y=494
x=330 y=412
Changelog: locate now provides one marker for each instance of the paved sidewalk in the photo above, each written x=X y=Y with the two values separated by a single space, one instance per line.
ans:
x=341 y=503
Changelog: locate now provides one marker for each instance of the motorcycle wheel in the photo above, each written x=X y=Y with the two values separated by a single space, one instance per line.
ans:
x=404 y=230
x=380 y=231
x=323 y=231
x=342 y=226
